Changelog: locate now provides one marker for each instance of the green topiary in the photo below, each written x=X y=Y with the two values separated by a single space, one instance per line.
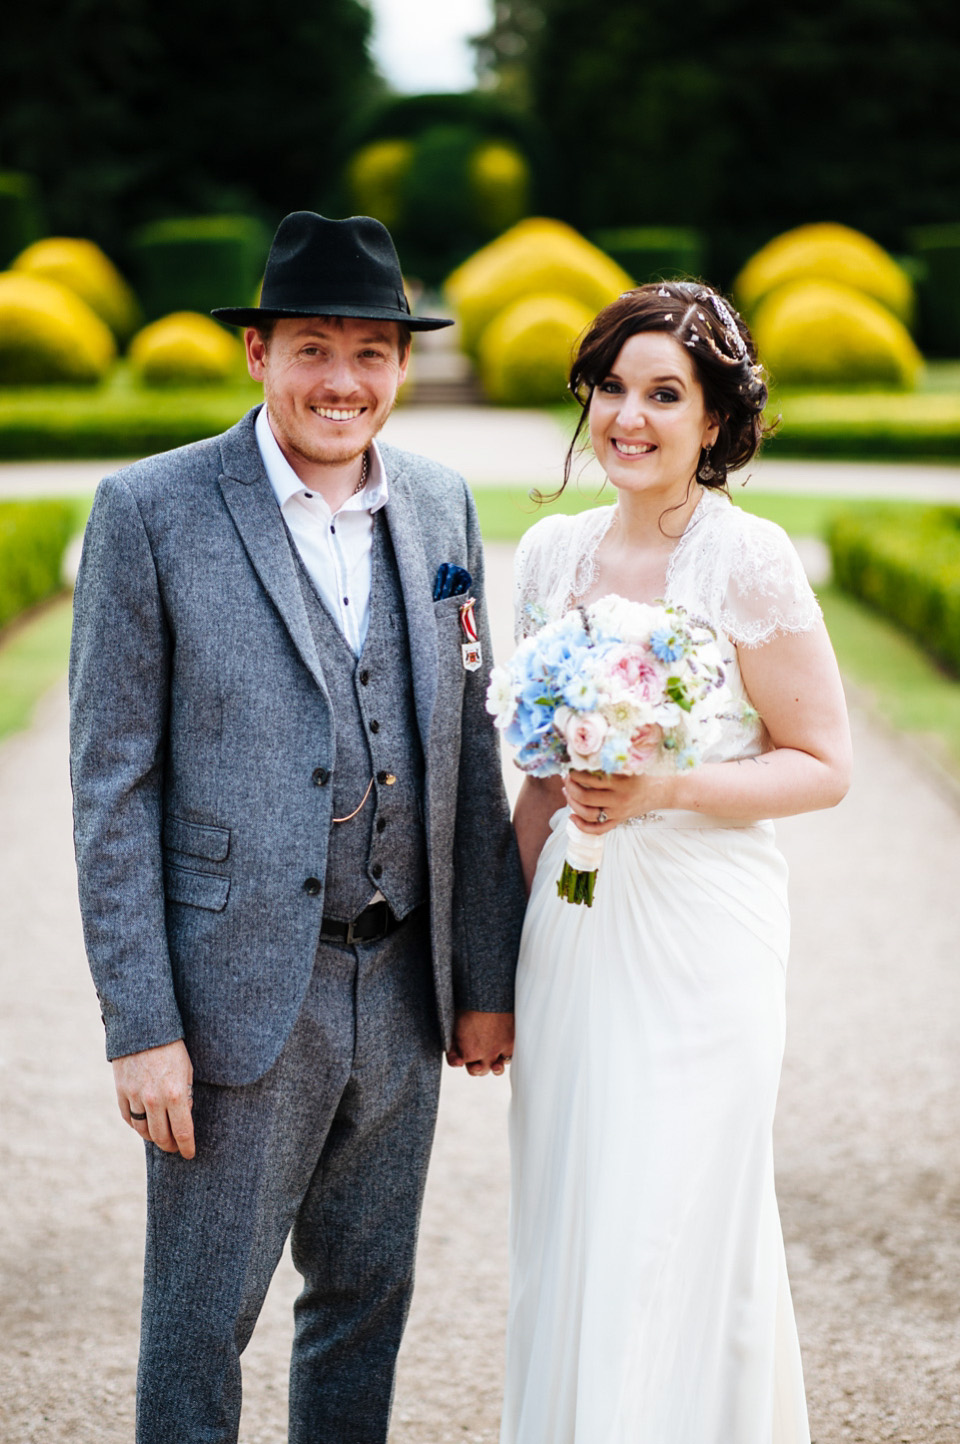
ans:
x=82 y=267
x=937 y=248
x=33 y=539
x=526 y=350
x=826 y=252
x=19 y=214
x=538 y=255
x=185 y=349
x=48 y=336
x=817 y=333
x=655 y=253
x=199 y=262
x=499 y=180
x=375 y=177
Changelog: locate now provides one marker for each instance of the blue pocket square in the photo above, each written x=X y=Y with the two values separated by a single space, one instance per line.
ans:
x=451 y=581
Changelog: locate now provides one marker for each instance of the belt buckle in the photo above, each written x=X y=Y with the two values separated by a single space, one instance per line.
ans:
x=383 y=908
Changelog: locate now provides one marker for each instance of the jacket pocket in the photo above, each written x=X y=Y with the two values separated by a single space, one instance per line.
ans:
x=196 y=889
x=196 y=839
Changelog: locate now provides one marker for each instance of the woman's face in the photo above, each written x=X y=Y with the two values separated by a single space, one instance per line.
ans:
x=648 y=420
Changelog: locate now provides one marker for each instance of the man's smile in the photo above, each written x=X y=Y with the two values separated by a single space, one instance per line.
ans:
x=331 y=413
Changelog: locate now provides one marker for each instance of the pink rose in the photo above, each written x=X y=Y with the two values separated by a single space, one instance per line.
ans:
x=643 y=744
x=633 y=670
x=584 y=733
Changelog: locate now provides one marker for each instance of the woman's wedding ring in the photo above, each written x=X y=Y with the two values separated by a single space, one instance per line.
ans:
x=602 y=816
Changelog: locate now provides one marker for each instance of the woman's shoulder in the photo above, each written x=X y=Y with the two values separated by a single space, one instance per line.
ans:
x=559 y=526
x=754 y=573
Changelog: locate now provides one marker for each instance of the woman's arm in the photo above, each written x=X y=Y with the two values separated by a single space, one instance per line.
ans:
x=538 y=801
x=794 y=683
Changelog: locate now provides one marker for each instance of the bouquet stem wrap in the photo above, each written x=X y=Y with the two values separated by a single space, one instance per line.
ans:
x=578 y=879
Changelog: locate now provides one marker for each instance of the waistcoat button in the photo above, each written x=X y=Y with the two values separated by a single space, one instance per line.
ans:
x=313 y=887
x=320 y=776
x=381 y=823
x=374 y=726
x=364 y=677
x=376 y=870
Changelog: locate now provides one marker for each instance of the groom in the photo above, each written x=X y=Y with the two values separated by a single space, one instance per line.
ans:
x=297 y=874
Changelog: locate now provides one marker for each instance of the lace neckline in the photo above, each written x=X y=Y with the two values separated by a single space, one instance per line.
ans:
x=588 y=566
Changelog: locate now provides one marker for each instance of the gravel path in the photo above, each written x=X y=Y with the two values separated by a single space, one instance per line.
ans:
x=868 y=1170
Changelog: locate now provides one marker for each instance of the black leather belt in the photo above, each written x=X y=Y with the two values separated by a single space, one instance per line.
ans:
x=374 y=923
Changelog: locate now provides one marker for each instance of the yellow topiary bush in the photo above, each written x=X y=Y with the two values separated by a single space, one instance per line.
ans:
x=499 y=180
x=817 y=333
x=525 y=352
x=84 y=269
x=185 y=349
x=375 y=177
x=826 y=252
x=48 y=336
x=537 y=255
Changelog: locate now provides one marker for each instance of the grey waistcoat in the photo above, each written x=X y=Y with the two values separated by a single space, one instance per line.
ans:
x=384 y=846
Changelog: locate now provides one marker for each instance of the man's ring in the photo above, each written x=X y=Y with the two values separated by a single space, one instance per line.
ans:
x=602 y=816
x=137 y=1117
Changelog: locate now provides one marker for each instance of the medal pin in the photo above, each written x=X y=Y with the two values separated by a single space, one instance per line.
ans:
x=470 y=650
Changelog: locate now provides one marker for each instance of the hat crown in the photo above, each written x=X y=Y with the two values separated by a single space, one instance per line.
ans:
x=318 y=266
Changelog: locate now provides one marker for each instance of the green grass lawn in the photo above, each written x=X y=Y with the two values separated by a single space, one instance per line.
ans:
x=911 y=692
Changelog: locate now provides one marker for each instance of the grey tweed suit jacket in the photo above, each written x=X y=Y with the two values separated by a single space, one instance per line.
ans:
x=199 y=716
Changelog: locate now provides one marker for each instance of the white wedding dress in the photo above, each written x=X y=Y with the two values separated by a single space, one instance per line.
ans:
x=649 y=1301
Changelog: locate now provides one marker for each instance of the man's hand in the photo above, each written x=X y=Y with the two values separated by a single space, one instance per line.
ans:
x=482 y=1043
x=159 y=1084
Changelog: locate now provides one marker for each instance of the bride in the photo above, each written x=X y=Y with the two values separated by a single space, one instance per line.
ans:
x=649 y=1298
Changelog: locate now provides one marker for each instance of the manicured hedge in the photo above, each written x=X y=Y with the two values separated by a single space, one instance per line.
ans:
x=64 y=424
x=870 y=426
x=33 y=539
x=908 y=568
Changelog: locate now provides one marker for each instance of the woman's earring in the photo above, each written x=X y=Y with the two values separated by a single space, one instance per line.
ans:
x=706 y=471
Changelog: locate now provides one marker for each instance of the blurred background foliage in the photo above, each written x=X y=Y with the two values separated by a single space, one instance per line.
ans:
x=126 y=112
x=738 y=117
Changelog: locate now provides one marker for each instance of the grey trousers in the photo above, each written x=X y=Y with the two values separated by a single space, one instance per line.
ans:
x=330 y=1146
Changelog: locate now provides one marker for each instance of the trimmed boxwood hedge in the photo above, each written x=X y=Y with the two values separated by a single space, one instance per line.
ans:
x=33 y=539
x=906 y=566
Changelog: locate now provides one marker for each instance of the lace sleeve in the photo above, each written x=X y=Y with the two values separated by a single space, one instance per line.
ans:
x=766 y=591
x=531 y=574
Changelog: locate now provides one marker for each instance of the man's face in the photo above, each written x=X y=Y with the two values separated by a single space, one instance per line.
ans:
x=329 y=384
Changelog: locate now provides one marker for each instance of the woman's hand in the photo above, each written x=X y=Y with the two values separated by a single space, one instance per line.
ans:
x=600 y=801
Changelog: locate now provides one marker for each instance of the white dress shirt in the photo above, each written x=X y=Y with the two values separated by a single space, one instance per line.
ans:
x=335 y=547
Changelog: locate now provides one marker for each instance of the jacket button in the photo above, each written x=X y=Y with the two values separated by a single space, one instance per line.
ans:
x=320 y=776
x=364 y=677
x=313 y=887
x=376 y=870
x=381 y=823
x=374 y=726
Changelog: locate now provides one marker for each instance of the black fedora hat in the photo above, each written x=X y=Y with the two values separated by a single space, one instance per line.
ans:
x=318 y=267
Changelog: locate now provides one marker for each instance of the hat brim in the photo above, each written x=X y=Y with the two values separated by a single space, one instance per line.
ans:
x=252 y=315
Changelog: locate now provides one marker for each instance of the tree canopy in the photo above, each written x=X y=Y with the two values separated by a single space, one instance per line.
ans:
x=740 y=117
x=127 y=111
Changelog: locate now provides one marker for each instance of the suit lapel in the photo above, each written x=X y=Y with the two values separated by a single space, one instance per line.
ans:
x=252 y=505
x=416 y=584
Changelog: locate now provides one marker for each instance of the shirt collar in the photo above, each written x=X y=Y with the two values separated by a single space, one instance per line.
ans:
x=286 y=483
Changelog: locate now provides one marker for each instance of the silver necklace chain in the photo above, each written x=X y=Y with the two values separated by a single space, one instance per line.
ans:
x=364 y=469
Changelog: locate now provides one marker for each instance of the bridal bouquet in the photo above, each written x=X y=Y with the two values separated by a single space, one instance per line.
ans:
x=616 y=686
